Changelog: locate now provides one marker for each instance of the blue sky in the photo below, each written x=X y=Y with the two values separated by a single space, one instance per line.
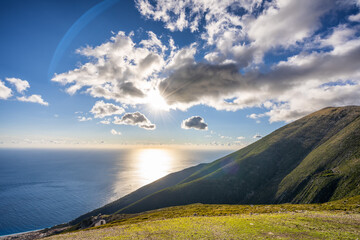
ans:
x=193 y=72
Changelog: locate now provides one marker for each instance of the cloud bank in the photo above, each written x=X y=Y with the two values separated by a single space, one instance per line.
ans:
x=280 y=55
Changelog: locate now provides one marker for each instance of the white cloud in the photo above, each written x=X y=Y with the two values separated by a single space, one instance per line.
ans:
x=34 y=99
x=102 y=109
x=118 y=70
x=194 y=122
x=225 y=137
x=286 y=22
x=322 y=71
x=105 y=121
x=240 y=138
x=21 y=85
x=355 y=18
x=5 y=92
x=253 y=116
x=84 y=119
x=114 y=132
x=135 y=118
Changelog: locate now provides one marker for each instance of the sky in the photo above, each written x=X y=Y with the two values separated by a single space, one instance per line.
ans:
x=197 y=73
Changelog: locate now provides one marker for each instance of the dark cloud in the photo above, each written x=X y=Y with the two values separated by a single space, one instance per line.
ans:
x=191 y=83
x=135 y=118
x=257 y=136
x=128 y=88
x=195 y=122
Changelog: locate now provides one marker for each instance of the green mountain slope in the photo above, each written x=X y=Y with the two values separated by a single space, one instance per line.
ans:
x=314 y=159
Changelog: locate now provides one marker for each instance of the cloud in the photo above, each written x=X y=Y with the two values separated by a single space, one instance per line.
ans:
x=84 y=119
x=200 y=84
x=253 y=116
x=118 y=69
x=318 y=63
x=257 y=136
x=102 y=109
x=225 y=137
x=105 y=121
x=240 y=138
x=289 y=81
x=21 y=85
x=5 y=92
x=34 y=99
x=272 y=27
x=194 y=122
x=355 y=18
x=114 y=132
x=135 y=118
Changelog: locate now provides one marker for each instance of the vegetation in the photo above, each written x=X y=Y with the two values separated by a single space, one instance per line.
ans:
x=333 y=220
x=312 y=160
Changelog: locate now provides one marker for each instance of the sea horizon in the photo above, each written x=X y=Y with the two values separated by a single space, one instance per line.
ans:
x=41 y=188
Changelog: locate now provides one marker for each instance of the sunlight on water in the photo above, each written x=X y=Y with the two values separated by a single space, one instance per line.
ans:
x=153 y=164
x=63 y=184
x=144 y=166
x=141 y=166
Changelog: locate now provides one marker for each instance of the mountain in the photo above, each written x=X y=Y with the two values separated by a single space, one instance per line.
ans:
x=312 y=160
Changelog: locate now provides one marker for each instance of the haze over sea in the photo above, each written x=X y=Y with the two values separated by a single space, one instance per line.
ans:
x=42 y=188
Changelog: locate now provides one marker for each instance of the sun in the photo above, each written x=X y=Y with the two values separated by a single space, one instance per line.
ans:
x=156 y=102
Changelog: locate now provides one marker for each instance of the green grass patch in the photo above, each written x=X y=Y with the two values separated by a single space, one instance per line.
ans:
x=298 y=225
x=333 y=220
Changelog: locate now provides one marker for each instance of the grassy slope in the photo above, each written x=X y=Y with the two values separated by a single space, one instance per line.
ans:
x=333 y=220
x=313 y=159
x=291 y=164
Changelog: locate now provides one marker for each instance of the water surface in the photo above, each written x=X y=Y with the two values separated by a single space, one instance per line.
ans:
x=42 y=188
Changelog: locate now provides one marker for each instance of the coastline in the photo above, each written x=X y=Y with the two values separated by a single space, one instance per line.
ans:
x=35 y=234
x=20 y=234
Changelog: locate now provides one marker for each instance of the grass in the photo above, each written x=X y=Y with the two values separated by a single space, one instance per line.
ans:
x=333 y=220
x=301 y=225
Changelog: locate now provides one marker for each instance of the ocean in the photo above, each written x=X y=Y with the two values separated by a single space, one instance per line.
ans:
x=43 y=188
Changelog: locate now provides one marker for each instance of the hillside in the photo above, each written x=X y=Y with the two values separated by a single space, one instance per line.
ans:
x=312 y=160
x=332 y=220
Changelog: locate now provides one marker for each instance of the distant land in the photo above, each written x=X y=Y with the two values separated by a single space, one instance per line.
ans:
x=313 y=160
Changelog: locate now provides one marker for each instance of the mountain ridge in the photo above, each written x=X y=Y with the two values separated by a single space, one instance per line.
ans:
x=310 y=160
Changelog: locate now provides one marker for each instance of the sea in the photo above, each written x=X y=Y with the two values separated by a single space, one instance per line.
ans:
x=40 y=188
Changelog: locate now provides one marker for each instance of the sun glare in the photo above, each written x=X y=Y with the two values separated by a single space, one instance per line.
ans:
x=153 y=164
x=157 y=102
